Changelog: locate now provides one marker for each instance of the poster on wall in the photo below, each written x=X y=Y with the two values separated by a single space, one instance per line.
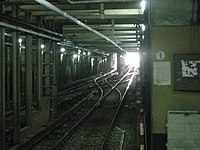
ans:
x=186 y=72
x=162 y=73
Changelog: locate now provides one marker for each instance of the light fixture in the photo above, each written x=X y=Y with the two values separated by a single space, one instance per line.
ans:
x=20 y=40
x=143 y=5
x=62 y=50
x=75 y=56
x=42 y=46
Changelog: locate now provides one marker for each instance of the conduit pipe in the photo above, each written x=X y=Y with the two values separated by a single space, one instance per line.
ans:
x=97 y=1
x=64 y=14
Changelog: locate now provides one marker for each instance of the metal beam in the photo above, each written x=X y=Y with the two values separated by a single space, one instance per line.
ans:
x=97 y=1
x=9 y=26
x=103 y=27
x=88 y=12
x=54 y=8
x=105 y=21
x=89 y=16
x=96 y=38
x=28 y=26
x=104 y=32
x=2 y=88
x=50 y=13
x=110 y=49
x=102 y=41
x=119 y=5
x=19 y=2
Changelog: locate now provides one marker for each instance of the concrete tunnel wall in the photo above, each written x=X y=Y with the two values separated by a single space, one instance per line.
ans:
x=172 y=33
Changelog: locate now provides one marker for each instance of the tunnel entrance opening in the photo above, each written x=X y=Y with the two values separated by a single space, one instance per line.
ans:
x=132 y=59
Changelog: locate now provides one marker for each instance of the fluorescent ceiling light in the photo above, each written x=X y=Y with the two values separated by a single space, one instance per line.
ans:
x=122 y=12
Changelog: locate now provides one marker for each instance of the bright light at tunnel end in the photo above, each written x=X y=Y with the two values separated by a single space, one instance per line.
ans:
x=132 y=59
x=143 y=5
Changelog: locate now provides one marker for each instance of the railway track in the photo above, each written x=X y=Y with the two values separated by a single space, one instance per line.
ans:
x=94 y=129
x=119 y=128
x=91 y=119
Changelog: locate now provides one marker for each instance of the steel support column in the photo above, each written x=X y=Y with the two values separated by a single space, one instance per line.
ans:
x=29 y=95
x=53 y=81
x=118 y=62
x=39 y=72
x=2 y=89
x=109 y=62
x=58 y=69
x=88 y=65
x=46 y=65
x=16 y=89
x=96 y=66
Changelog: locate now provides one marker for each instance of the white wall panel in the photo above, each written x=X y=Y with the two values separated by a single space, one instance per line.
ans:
x=183 y=130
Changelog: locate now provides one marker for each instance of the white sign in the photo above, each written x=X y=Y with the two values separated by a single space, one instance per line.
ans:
x=162 y=73
x=189 y=68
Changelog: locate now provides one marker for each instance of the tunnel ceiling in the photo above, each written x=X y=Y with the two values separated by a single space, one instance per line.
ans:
x=120 y=20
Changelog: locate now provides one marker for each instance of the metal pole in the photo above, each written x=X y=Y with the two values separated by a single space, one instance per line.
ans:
x=96 y=1
x=2 y=89
x=39 y=72
x=54 y=86
x=53 y=102
x=118 y=62
x=29 y=95
x=16 y=101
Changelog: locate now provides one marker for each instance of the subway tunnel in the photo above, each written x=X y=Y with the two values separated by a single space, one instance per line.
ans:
x=99 y=74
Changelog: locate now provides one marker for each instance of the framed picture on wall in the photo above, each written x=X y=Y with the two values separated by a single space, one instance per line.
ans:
x=186 y=72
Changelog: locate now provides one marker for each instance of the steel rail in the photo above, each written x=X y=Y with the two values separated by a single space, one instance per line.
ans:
x=103 y=144
x=64 y=14
x=74 y=83
x=51 y=127
x=123 y=132
x=102 y=96
x=100 y=88
x=115 y=88
x=78 y=87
